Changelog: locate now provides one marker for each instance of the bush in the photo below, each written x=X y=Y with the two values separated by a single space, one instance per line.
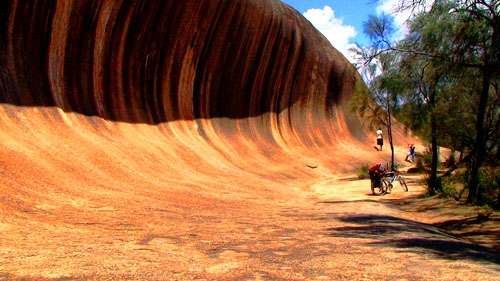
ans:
x=489 y=186
x=451 y=187
x=420 y=164
x=363 y=172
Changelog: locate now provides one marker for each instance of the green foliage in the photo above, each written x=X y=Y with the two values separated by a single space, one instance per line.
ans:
x=363 y=171
x=449 y=188
x=453 y=94
x=443 y=82
x=454 y=185
x=360 y=101
x=489 y=186
x=420 y=163
x=379 y=28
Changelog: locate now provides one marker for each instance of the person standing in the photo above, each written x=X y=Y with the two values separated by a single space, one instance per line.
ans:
x=411 y=153
x=380 y=139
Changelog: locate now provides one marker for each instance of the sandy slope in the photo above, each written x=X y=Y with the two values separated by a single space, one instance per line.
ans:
x=92 y=199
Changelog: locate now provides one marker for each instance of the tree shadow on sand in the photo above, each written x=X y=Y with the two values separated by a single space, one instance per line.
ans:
x=412 y=236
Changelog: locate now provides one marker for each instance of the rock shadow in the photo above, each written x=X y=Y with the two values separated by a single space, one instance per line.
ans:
x=412 y=236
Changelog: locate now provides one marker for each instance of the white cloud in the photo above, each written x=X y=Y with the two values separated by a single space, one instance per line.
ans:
x=332 y=28
x=387 y=6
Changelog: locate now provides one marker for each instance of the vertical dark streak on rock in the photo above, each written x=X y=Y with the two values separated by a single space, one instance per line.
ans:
x=78 y=67
x=159 y=61
x=201 y=94
x=27 y=54
x=112 y=75
x=7 y=89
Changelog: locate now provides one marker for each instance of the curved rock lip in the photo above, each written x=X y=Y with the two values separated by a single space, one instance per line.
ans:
x=160 y=61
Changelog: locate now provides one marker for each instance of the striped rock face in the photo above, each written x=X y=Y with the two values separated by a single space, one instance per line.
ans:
x=246 y=83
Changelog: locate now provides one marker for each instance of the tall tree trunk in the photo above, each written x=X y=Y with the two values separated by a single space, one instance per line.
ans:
x=497 y=205
x=434 y=183
x=479 y=151
x=389 y=133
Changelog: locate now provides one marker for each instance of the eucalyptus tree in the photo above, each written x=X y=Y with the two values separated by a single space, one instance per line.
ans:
x=423 y=86
x=406 y=80
x=431 y=79
x=378 y=107
x=476 y=45
x=378 y=70
x=454 y=36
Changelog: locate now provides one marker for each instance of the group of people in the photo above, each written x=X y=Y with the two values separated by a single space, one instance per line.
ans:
x=377 y=170
x=380 y=144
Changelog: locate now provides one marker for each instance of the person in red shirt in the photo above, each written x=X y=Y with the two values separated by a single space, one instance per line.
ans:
x=377 y=171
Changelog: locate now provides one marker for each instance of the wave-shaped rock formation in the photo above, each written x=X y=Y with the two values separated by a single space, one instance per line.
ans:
x=248 y=80
x=179 y=105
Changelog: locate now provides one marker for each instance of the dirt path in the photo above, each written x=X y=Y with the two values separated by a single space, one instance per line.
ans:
x=335 y=231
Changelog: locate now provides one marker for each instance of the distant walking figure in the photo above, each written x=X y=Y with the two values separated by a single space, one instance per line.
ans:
x=380 y=139
x=411 y=153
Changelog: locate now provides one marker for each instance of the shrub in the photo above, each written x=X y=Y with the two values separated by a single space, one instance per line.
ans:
x=489 y=186
x=451 y=187
x=363 y=171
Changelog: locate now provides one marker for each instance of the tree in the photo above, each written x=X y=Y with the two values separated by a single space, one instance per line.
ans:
x=480 y=32
x=454 y=36
x=378 y=106
x=427 y=76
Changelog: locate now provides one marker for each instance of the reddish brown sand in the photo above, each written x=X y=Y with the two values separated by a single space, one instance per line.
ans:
x=92 y=199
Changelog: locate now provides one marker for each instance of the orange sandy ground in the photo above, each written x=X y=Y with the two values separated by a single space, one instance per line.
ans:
x=83 y=198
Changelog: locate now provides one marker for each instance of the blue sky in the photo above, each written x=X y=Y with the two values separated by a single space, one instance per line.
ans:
x=341 y=21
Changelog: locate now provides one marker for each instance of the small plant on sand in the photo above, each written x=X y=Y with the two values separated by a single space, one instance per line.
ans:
x=363 y=171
